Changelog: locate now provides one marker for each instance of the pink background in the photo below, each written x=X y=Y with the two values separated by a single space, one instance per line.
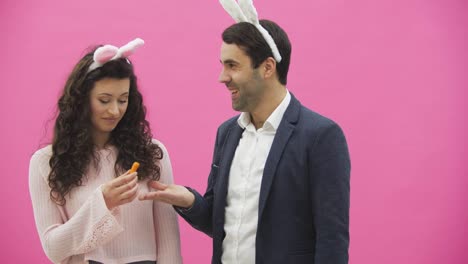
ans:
x=392 y=73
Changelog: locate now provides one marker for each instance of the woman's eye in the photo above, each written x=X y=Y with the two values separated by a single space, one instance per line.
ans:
x=104 y=101
x=122 y=101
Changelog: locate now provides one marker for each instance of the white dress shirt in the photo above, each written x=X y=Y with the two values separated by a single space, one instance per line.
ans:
x=245 y=178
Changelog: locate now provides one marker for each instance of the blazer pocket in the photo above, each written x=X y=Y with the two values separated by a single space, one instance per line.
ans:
x=212 y=179
x=303 y=247
x=302 y=253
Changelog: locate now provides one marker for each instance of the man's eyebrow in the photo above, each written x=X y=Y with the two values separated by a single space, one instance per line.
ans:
x=229 y=61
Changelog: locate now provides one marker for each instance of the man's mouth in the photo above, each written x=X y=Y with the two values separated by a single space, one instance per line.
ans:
x=234 y=94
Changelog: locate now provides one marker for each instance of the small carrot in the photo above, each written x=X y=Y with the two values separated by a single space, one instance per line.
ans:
x=134 y=167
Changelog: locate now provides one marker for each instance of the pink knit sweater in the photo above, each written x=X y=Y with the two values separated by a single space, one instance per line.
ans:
x=84 y=229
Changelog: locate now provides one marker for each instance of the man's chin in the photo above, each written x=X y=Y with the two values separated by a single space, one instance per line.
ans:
x=237 y=108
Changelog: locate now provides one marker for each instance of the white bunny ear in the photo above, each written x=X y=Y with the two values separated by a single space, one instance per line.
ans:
x=245 y=11
x=130 y=47
x=233 y=10
x=249 y=11
x=271 y=42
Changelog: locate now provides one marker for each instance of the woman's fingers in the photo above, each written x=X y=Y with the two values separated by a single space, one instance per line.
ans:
x=129 y=196
x=124 y=179
x=127 y=186
x=121 y=190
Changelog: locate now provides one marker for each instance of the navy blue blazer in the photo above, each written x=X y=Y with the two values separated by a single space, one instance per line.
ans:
x=303 y=214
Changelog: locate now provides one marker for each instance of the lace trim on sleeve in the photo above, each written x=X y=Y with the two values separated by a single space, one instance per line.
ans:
x=102 y=233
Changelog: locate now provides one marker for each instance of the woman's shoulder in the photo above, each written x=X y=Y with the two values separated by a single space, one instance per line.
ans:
x=160 y=144
x=43 y=153
x=40 y=161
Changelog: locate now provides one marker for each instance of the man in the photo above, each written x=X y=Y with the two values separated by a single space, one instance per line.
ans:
x=278 y=191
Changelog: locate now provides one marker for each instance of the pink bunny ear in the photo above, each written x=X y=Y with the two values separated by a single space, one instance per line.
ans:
x=128 y=49
x=105 y=53
x=108 y=52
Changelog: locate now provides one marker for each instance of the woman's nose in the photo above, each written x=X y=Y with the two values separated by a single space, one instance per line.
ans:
x=113 y=108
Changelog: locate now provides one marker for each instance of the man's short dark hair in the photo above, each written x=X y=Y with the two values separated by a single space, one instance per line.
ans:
x=249 y=38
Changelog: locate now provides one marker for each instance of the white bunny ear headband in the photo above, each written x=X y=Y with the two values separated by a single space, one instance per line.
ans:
x=108 y=53
x=244 y=11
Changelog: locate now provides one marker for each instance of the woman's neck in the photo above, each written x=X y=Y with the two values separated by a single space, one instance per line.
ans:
x=101 y=140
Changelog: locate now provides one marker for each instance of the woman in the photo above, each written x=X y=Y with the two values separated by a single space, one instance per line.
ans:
x=82 y=192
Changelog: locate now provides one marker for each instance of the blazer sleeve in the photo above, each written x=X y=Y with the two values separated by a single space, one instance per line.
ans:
x=92 y=225
x=330 y=185
x=200 y=215
x=166 y=225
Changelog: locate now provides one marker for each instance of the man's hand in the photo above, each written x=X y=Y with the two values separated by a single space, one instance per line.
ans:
x=172 y=194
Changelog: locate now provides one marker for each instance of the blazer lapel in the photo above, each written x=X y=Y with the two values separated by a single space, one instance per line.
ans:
x=282 y=136
x=232 y=140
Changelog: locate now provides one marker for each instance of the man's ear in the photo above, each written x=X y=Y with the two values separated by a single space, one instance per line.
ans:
x=269 y=66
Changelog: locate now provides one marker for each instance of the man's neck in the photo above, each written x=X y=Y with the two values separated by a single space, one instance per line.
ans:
x=270 y=102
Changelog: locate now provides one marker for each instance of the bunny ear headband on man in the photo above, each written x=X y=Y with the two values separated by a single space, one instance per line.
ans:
x=244 y=11
x=108 y=53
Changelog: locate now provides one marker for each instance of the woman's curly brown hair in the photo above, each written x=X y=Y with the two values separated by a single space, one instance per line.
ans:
x=73 y=149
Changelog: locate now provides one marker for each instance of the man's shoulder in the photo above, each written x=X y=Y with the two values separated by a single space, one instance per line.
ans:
x=228 y=123
x=312 y=118
x=305 y=116
x=313 y=123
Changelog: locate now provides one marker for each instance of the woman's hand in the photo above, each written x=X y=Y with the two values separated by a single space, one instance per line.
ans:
x=120 y=190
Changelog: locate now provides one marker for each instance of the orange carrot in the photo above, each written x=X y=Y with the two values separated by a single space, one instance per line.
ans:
x=134 y=167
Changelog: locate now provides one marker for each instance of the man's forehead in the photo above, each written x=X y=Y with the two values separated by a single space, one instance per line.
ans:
x=232 y=52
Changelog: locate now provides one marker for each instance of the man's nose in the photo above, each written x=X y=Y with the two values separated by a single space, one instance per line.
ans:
x=223 y=77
